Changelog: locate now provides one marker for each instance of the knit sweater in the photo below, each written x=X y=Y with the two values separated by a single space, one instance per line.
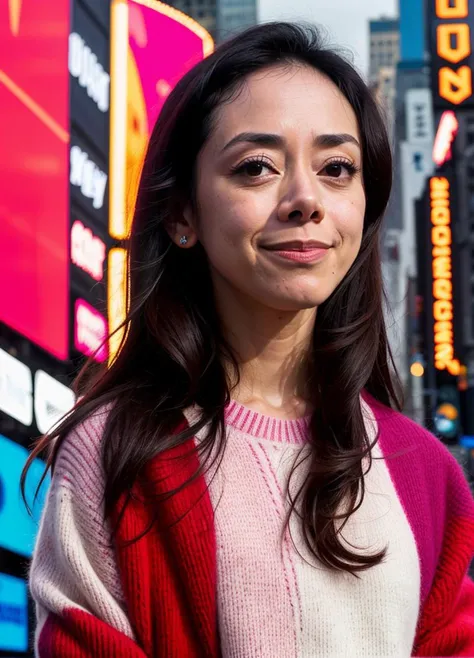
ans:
x=215 y=577
x=272 y=598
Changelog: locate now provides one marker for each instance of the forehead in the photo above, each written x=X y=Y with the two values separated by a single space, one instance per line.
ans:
x=291 y=100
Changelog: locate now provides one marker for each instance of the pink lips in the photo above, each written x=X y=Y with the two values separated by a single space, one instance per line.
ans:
x=306 y=256
x=299 y=251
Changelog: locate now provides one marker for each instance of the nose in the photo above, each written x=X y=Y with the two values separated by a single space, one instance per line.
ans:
x=302 y=203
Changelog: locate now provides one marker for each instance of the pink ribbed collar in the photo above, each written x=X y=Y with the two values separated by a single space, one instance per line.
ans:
x=266 y=427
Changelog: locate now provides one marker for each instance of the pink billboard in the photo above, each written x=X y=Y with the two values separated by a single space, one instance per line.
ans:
x=155 y=45
x=164 y=44
x=34 y=138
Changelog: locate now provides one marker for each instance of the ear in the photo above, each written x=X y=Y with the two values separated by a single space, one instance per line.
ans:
x=181 y=230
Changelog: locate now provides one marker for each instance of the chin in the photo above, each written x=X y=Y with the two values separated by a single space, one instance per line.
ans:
x=299 y=301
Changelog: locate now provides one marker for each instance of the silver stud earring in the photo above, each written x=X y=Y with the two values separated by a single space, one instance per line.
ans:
x=183 y=240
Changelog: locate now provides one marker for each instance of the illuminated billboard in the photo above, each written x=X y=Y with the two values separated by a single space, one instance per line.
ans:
x=442 y=275
x=17 y=528
x=34 y=166
x=156 y=45
x=452 y=61
x=447 y=131
x=13 y=613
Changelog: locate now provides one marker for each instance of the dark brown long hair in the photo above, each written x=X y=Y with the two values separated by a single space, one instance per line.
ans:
x=173 y=353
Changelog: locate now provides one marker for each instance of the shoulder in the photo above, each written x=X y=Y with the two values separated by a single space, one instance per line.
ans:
x=79 y=458
x=417 y=458
x=398 y=433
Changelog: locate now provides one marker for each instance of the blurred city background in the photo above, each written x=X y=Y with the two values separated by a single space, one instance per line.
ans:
x=81 y=84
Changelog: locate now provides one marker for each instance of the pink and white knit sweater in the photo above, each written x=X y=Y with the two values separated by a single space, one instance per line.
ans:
x=226 y=582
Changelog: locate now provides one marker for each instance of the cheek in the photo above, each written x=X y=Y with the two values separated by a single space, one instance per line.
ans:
x=349 y=220
x=228 y=221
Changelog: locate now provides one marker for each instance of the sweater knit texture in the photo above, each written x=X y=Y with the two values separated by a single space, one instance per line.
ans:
x=216 y=575
x=273 y=600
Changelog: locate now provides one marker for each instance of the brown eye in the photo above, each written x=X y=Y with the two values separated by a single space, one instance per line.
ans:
x=254 y=169
x=339 y=170
x=334 y=170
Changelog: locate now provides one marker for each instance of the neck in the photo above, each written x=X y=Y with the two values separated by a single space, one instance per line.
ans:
x=271 y=349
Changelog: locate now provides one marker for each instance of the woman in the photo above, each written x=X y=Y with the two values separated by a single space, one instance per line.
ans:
x=236 y=484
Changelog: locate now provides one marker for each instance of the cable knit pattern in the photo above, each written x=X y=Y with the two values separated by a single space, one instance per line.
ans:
x=214 y=578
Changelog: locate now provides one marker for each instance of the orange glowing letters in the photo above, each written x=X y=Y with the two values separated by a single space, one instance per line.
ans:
x=443 y=312
x=453 y=45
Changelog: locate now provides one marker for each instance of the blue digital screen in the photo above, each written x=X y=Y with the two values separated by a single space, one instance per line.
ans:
x=13 y=614
x=412 y=30
x=17 y=528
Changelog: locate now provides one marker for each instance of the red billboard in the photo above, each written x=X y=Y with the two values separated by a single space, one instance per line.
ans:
x=34 y=155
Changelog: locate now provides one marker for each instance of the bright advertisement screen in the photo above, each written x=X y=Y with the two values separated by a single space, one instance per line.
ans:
x=34 y=142
x=13 y=614
x=156 y=44
x=163 y=45
x=17 y=528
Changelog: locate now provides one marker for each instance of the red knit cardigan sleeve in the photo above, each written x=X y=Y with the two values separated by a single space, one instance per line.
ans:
x=149 y=594
x=440 y=508
x=447 y=623
x=78 y=634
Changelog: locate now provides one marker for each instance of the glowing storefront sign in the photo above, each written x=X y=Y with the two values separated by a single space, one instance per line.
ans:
x=87 y=250
x=16 y=389
x=453 y=45
x=447 y=131
x=443 y=311
x=143 y=32
x=90 y=331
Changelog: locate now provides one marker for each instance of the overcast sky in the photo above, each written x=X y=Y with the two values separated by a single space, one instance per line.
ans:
x=345 y=20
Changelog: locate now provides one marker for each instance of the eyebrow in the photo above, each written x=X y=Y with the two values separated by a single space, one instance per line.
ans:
x=329 y=140
x=336 y=139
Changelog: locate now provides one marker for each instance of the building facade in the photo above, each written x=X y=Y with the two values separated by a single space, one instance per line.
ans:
x=222 y=18
x=203 y=11
x=234 y=16
x=384 y=49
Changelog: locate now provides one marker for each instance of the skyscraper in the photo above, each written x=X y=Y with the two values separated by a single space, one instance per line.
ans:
x=411 y=124
x=384 y=56
x=222 y=18
x=203 y=11
x=234 y=15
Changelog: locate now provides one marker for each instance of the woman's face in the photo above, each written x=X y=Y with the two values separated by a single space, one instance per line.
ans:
x=280 y=196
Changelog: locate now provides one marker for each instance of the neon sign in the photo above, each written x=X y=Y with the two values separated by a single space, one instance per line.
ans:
x=447 y=131
x=87 y=251
x=443 y=310
x=453 y=45
x=89 y=72
x=117 y=298
x=90 y=331
x=86 y=175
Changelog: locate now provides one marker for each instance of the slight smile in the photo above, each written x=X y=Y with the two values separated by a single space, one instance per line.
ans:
x=299 y=251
